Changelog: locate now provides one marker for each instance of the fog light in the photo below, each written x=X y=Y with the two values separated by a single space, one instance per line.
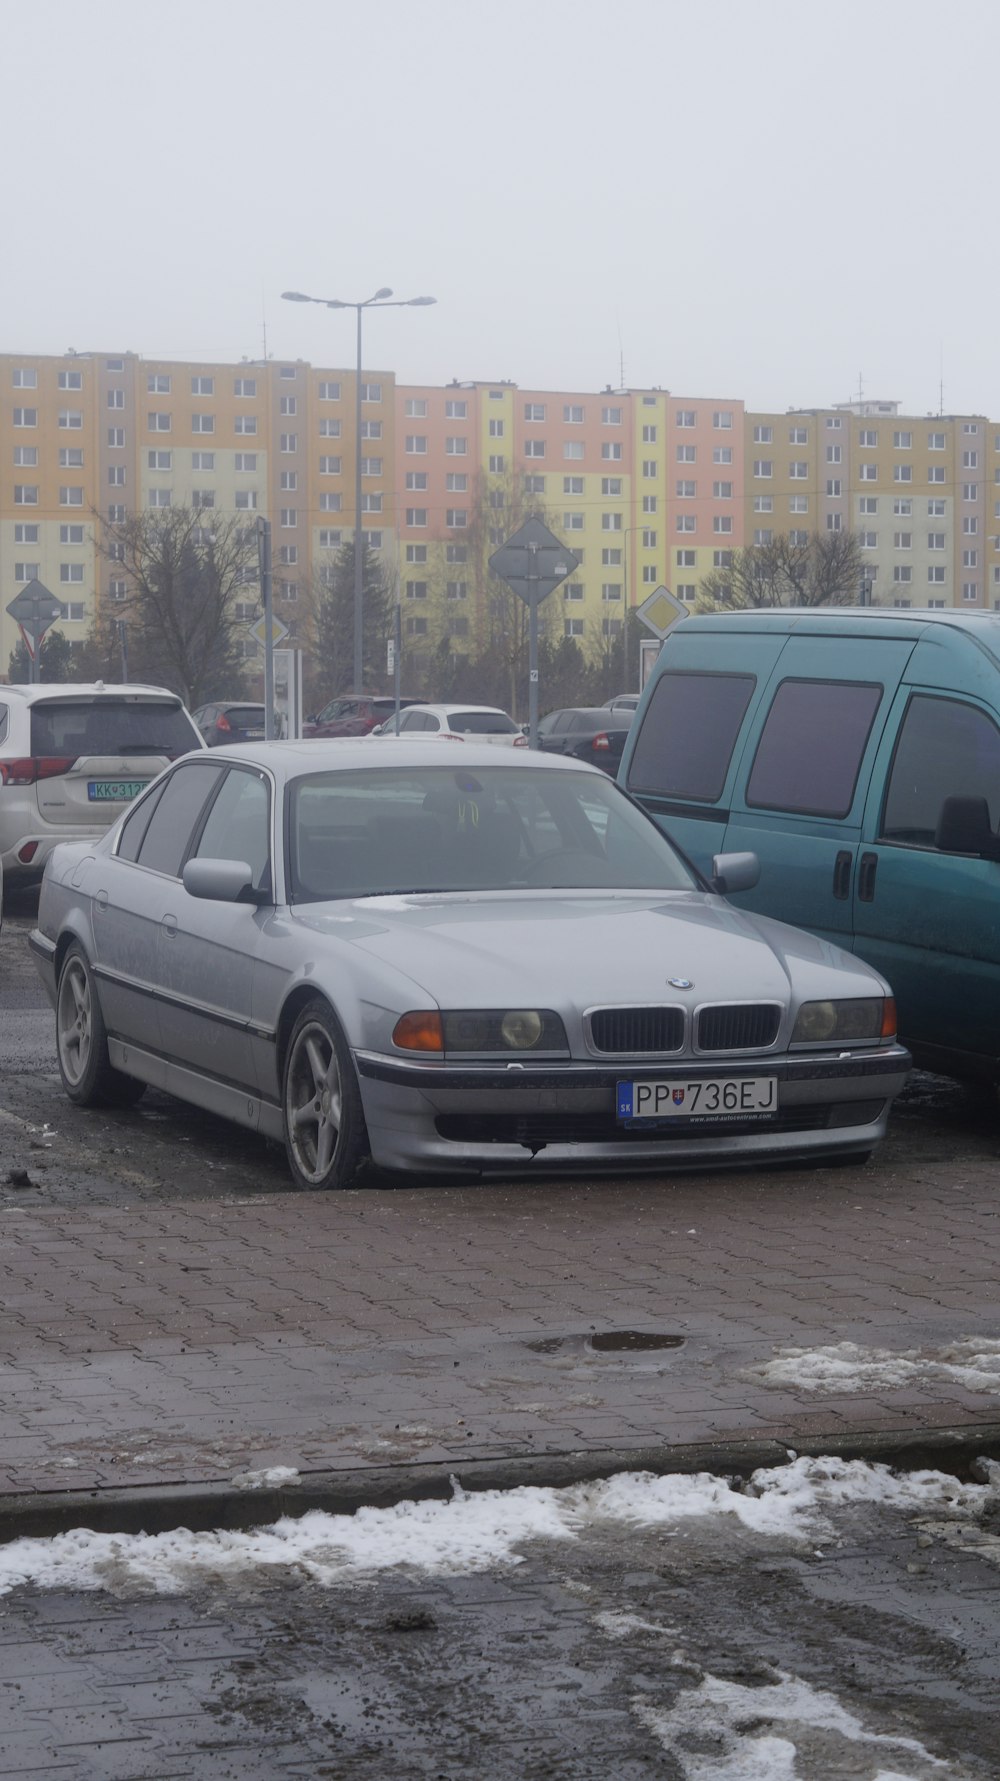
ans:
x=521 y=1028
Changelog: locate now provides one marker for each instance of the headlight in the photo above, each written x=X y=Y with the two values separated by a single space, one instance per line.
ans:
x=839 y=1023
x=504 y=1029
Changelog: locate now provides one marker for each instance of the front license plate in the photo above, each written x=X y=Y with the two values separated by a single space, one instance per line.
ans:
x=718 y=1098
x=114 y=791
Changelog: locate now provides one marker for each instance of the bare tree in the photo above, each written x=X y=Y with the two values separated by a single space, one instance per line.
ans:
x=184 y=569
x=792 y=569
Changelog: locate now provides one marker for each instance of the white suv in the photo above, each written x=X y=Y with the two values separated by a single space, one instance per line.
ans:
x=72 y=758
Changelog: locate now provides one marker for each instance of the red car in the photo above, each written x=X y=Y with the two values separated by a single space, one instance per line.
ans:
x=352 y=714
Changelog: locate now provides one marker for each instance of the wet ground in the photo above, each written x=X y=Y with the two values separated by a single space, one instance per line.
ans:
x=705 y=1655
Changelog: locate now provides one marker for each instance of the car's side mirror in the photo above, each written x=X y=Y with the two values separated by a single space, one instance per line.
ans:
x=964 y=827
x=220 y=881
x=378 y=729
x=734 y=872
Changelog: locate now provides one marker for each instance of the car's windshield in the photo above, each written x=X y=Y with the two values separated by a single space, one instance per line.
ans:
x=74 y=727
x=430 y=828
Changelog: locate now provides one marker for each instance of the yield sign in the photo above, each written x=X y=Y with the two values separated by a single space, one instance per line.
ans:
x=34 y=609
x=532 y=562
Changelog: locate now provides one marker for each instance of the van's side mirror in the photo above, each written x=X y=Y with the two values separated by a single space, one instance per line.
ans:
x=734 y=872
x=964 y=827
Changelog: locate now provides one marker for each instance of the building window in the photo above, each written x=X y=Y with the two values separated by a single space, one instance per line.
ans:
x=203 y=497
x=416 y=482
x=650 y=469
x=798 y=504
x=71 y=457
x=371 y=392
x=902 y=473
x=289 y=518
x=245 y=461
x=158 y=423
x=902 y=572
x=534 y=411
x=902 y=441
x=456 y=518
x=329 y=540
x=158 y=383
x=26 y=417
x=648 y=538
x=70 y=419
x=498 y=463
x=834 y=488
x=935 y=573
x=455 y=410
x=24 y=378
x=415 y=408
x=572 y=522
x=371 y=430
x=649 y=435
x=970 y=559
x=159 y=460
x=416 y=516
x=371 y=503
x=722 y=559
x=71 y=572
x=798 y=471
x=329 y=429
x=970 y=460
x=572 y=485
x=970 y=590
x=834 y=522
x=116 y=398
x=416 y=444
x=722 y=522
x=611 y=449
x=722 y=419
x=611 y=417
x=573 y=448
x=834 y=454
x=203 y=460
x=868 y=504
x=798 y=435
x=245 y=423
x=763 y=503
x=246 y=500
x=71 y=535
x=457 y=482
x=763 y=467
x=685 y=559
x=496 y=429
x=763 y=535
x=686 y=522
x=456 y=590
x=611 y=522
x=116 y=476
x=330 y=466
x=572 y=627
x=456 y=553
x=935 y=507
x=26 y=457
x=868 y=438
x=416 y=590
x=935 y=473
x=649 y=573
x=71 y=497
x=288 y=442
x=611 y=485
x=158 y=498
x=722 y=491
x=904 y=541
x=763 y=435
x=534 y=448
x=328 y=392
x=935 y=540
x=27 y=571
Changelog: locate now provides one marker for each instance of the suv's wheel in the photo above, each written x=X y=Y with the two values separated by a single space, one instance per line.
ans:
x=325 y=1136
x=82 y=1041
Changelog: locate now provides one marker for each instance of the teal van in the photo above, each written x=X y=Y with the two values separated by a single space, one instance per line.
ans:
x=857 y=754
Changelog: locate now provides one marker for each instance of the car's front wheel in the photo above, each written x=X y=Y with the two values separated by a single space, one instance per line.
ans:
x=88 y=1075
x=325 y=1135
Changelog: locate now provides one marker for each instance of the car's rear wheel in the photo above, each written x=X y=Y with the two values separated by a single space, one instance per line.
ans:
x=324 y=1122
x=88 y=1075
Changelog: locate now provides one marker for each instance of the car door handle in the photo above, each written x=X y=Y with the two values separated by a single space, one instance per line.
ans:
x=867 y=868
x=842 y=875
x=169 y=926
x=101 y=899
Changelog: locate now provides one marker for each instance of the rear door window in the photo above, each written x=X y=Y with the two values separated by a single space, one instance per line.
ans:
x=168 y=833
x=688 y=734
x=946 y=749
x=810 y=749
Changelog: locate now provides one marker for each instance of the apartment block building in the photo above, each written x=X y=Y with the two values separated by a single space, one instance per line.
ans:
x=648 y=488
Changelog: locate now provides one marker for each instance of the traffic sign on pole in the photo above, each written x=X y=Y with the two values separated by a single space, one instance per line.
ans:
x=660 y=611
x=533 y=562
x=34 y=610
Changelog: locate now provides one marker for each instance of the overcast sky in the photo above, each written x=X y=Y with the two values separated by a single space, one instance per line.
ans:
x=767 y=200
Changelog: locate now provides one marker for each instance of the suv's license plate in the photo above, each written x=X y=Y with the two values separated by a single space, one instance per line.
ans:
x=710 y=1097
x=114 y=791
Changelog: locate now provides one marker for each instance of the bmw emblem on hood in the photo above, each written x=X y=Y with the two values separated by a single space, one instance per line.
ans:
x=680 y=983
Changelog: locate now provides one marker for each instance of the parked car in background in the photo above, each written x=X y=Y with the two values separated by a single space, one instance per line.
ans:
x=72 y=757
x=463 y=723
x=230 y=720
x=450 y=959
x=591 y=733
x=622 y=702
x=352 y=714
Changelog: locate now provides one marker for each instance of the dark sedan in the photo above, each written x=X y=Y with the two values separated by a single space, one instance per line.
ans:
x=230 y=721
x=352 y=714
x=592 y=734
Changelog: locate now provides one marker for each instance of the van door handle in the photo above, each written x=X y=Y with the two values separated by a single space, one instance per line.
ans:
x=169 y=926
x=867 y=868
x=842 y=875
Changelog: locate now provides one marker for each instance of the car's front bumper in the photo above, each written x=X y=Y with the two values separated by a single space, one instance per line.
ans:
x=484 y=1118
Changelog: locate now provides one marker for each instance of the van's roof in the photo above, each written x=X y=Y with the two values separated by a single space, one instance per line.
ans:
x=982 y=628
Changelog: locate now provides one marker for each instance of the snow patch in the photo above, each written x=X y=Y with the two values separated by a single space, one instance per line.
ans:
x=480 y=1529
x=973 y=1364
x=271 y=1475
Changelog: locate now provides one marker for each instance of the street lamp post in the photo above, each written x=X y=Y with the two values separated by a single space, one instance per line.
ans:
x=383 y=299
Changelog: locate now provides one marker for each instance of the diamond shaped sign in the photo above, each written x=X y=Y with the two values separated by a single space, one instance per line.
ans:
x=660 y=611
x=532 y=562
x=34 y=609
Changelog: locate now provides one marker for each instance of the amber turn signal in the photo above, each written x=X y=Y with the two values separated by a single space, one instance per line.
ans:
x=419 y=1031
x=889 y=1018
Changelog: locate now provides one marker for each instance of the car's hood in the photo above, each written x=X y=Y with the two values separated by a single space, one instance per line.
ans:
x=502 y=950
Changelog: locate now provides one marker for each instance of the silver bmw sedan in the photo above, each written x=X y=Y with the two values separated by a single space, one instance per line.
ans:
x=442 y=965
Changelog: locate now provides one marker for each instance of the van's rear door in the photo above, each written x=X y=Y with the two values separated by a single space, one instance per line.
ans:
x=804 y=773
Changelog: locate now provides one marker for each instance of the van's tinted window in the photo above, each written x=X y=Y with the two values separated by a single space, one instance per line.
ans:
x=688 y=734
x=946 y=749
x=180 y=804
x=811 y=746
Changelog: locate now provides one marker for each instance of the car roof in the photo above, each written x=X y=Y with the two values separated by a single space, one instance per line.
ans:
x=97 y=689
x=448 y=710
x=342 y=753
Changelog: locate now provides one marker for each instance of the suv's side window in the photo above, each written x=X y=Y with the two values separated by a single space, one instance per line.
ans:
x=237 y=827
x=809 y=754
x=946 y=749
x=184 y=797
x=4 y=722
x=688 y=734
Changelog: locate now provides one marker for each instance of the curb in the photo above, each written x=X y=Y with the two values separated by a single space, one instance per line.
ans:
x=200 y=1508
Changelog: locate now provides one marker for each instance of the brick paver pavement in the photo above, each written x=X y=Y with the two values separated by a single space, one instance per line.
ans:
x=180 y=1343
